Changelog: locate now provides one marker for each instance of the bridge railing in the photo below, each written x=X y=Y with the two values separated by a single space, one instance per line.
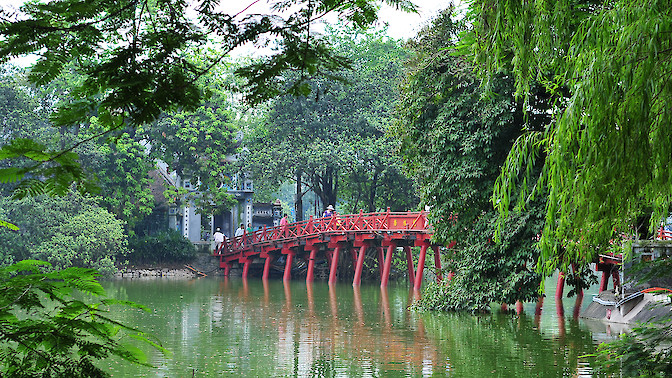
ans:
x=382 y=221
x=664 y=234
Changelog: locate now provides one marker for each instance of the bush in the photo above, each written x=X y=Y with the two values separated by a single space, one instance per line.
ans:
x=88 y=240
x=65 y=231
x=166 y=247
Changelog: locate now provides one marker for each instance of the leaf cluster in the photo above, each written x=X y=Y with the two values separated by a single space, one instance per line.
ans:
x=47 y=332
x=336 y=139
x=454 y=139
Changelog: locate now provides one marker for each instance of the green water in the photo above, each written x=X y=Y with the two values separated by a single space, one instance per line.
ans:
x=221 y=327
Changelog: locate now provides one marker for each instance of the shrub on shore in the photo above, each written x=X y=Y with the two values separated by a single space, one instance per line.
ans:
x=165 y=247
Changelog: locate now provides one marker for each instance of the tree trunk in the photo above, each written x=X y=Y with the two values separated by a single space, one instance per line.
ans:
x=372 y=191
x=298 y=202
x=325 y=186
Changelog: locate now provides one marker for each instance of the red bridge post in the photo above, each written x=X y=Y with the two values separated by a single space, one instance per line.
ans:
x=604 y=282
x=334 y=264
x=311 y=262
x=267 y=267
x=381 y=261
x=246 y=268
x=384 y=278
x=437 y=263
x=360 y=264
x=421 y=267
x=560 y=286
x=409 y=262
x=289 y=255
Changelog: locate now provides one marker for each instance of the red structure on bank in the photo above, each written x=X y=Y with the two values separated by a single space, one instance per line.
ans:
x=336 y=239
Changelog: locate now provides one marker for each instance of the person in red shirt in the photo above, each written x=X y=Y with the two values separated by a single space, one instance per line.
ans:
x=283 y=224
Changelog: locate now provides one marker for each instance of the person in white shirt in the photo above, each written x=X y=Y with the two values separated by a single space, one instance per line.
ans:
x=240 y=230
x=219 y=238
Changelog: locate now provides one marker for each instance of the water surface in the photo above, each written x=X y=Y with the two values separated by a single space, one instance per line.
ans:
x=230 y=327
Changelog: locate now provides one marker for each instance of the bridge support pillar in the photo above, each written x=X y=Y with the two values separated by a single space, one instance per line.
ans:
x=574 y=269
x=334 y=265
x=360 y=265
x=604 y=282
x=267 y=267
x=227 y=269
x=381 y=261
x=287 y=276
x=246 y=268
x=421 y=267
x=616 y=278
x=409 y=262
x=437 y=263
x=387 y=264
x=353 y=253
x=311 y=263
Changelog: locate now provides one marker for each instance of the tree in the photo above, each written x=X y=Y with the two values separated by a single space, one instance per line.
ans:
x=336 y=138
x=66 y=231
x=121 y=166
x=608 y=148
x=47 y=332
x=454 y=140
x=607 y=151
x=375 y=179
x=199 y=144
x=134 y=58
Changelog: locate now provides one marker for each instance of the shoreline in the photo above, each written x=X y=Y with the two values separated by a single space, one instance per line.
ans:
x=201 y=266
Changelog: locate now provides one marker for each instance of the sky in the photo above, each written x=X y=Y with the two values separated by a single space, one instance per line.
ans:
x=404 y=25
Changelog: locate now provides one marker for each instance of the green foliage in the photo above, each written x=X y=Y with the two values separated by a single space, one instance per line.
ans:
x=122 y=170
x=119 y=168
x=198 y=145
x=645 y=352
x=46 y=331
x=334 y=143
x=454 y=140
x=67 y=231
x=488 y=272
x=93 y=238
x=165 y=247
x=134 y=58
x=608 y=148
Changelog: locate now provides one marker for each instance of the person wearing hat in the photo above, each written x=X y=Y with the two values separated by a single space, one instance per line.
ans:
x=329 y=212
x=219 y=238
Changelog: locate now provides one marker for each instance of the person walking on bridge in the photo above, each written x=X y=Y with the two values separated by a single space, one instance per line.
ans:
x=329 y=212
x=283 y=224
x=219 y=237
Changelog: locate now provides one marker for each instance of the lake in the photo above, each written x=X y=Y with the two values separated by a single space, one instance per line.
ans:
x=230 y=327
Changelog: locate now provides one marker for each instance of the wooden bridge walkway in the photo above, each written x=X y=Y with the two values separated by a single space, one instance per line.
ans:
x=336 y=239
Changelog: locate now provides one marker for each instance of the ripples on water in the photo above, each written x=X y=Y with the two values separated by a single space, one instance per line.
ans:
x=221 y=327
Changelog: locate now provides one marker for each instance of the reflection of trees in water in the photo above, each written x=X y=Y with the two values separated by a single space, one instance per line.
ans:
x=502 y=344
x=271 y=329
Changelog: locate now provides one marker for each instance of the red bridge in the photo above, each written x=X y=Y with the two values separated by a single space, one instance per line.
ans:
x=335 y=240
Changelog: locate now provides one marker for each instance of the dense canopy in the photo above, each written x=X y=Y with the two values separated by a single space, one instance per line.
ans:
x=609 y=148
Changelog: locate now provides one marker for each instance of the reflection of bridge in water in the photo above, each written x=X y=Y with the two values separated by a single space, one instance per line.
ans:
x=319 y=323
x=360 y=331
x=377 y=235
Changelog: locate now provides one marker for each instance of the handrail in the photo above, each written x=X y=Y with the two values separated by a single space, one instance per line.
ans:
x=664 y=234
x=372 y=222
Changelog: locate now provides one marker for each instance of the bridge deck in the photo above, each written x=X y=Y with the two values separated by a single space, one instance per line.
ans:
x=327 y=237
